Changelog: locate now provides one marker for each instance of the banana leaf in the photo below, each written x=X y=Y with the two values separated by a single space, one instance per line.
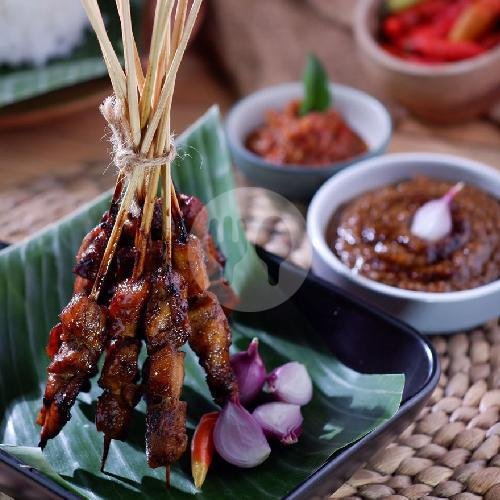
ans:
x=83 y=64
x=36 y=282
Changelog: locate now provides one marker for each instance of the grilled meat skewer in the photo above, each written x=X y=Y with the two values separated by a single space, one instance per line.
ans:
x=195 y=216
x=75 y=345
x=121 y=371
x=91 y=250
x=166 y=330
x=210 y=340
x=189 y=260
x=210 y=333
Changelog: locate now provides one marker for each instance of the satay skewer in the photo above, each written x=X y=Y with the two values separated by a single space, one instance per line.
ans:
x=114 y=409
x=150 y=181
x=166 y=326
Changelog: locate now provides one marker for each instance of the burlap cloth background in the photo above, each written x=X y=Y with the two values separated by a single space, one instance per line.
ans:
x=453 y=449
x=262 y=42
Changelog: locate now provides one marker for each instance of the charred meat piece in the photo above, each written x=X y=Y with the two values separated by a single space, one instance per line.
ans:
x=210 y=340
x=195 y=215
x=82 y=286
x=91 y=251
x=54 y=340
x=166 y=438
x=196 y=219
x=121 y=371
x=155 y=256
x=166 y=320
x=166 y=330
x=121 y=392
x=126 y=306
x=80 y=340
x=89 y=255
x=188 y=259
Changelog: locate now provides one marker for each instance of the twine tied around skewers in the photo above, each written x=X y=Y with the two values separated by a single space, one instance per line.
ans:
x=124 y=156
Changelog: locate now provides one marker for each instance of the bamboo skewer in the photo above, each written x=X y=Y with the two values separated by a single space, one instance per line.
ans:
x=162 y=14
x=137 y=58
x=149 y=104
x=178 y=29
x=130 y=73
x=139 y=118
x=170 y=77
x=113 y=65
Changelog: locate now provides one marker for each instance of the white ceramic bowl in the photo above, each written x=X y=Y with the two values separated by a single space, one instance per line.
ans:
x=428 y=312
x=366 y=116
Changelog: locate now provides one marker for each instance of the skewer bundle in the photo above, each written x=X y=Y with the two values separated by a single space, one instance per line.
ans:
x=148 y=271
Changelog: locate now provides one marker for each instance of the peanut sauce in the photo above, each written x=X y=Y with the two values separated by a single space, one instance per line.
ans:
x=371 y=235
x=317 y=138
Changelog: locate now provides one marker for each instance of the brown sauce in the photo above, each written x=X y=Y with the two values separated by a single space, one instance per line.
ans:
x=371 y=235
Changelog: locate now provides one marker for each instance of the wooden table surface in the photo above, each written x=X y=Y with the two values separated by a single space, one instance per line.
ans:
x=48 y=170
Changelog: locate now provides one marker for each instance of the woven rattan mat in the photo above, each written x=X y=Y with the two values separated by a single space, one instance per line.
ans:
x=453 y=449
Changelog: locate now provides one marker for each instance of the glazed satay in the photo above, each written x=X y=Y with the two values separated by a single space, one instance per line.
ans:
x=75 y=346
x=210 y=333
x=210 y=340
x=89 y=256
x=166 y=330
x=195 y=216
x=120 y=372
x=189 y=260
x=91 y=250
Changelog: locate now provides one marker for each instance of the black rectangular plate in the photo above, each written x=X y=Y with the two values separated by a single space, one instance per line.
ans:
x=364 y=338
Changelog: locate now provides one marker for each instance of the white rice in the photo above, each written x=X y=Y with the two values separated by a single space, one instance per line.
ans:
x=33 y=31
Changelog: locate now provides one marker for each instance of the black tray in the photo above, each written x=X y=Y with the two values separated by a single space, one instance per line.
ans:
x=361 y=336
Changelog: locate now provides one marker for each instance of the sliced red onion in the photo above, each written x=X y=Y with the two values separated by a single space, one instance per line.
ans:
x=291 y=383
x=282 y=421
x=250 y=372
x=433 y=221
x=238 y=438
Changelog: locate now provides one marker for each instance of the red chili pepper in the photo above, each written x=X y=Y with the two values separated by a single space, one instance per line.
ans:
x=400 y=23
x=476 y=21
x=202 y=447
x=444 y=21
x=440 y=49
x=393 y=28
x=439 y=26
x=490 y=41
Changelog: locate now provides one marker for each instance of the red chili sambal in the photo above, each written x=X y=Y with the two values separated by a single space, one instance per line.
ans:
x=317 y=138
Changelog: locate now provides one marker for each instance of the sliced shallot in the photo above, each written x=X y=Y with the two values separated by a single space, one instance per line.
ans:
x=282 y=421
x=433 y=221
x=250 y=372
x=238 y=437
x=290 y=383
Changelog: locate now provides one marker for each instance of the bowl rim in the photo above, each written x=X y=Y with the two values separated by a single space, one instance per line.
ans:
x=319 y=244
x=367 y=40
x=236 y=143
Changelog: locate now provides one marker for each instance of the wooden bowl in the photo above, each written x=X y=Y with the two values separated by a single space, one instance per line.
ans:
x=439 y=93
